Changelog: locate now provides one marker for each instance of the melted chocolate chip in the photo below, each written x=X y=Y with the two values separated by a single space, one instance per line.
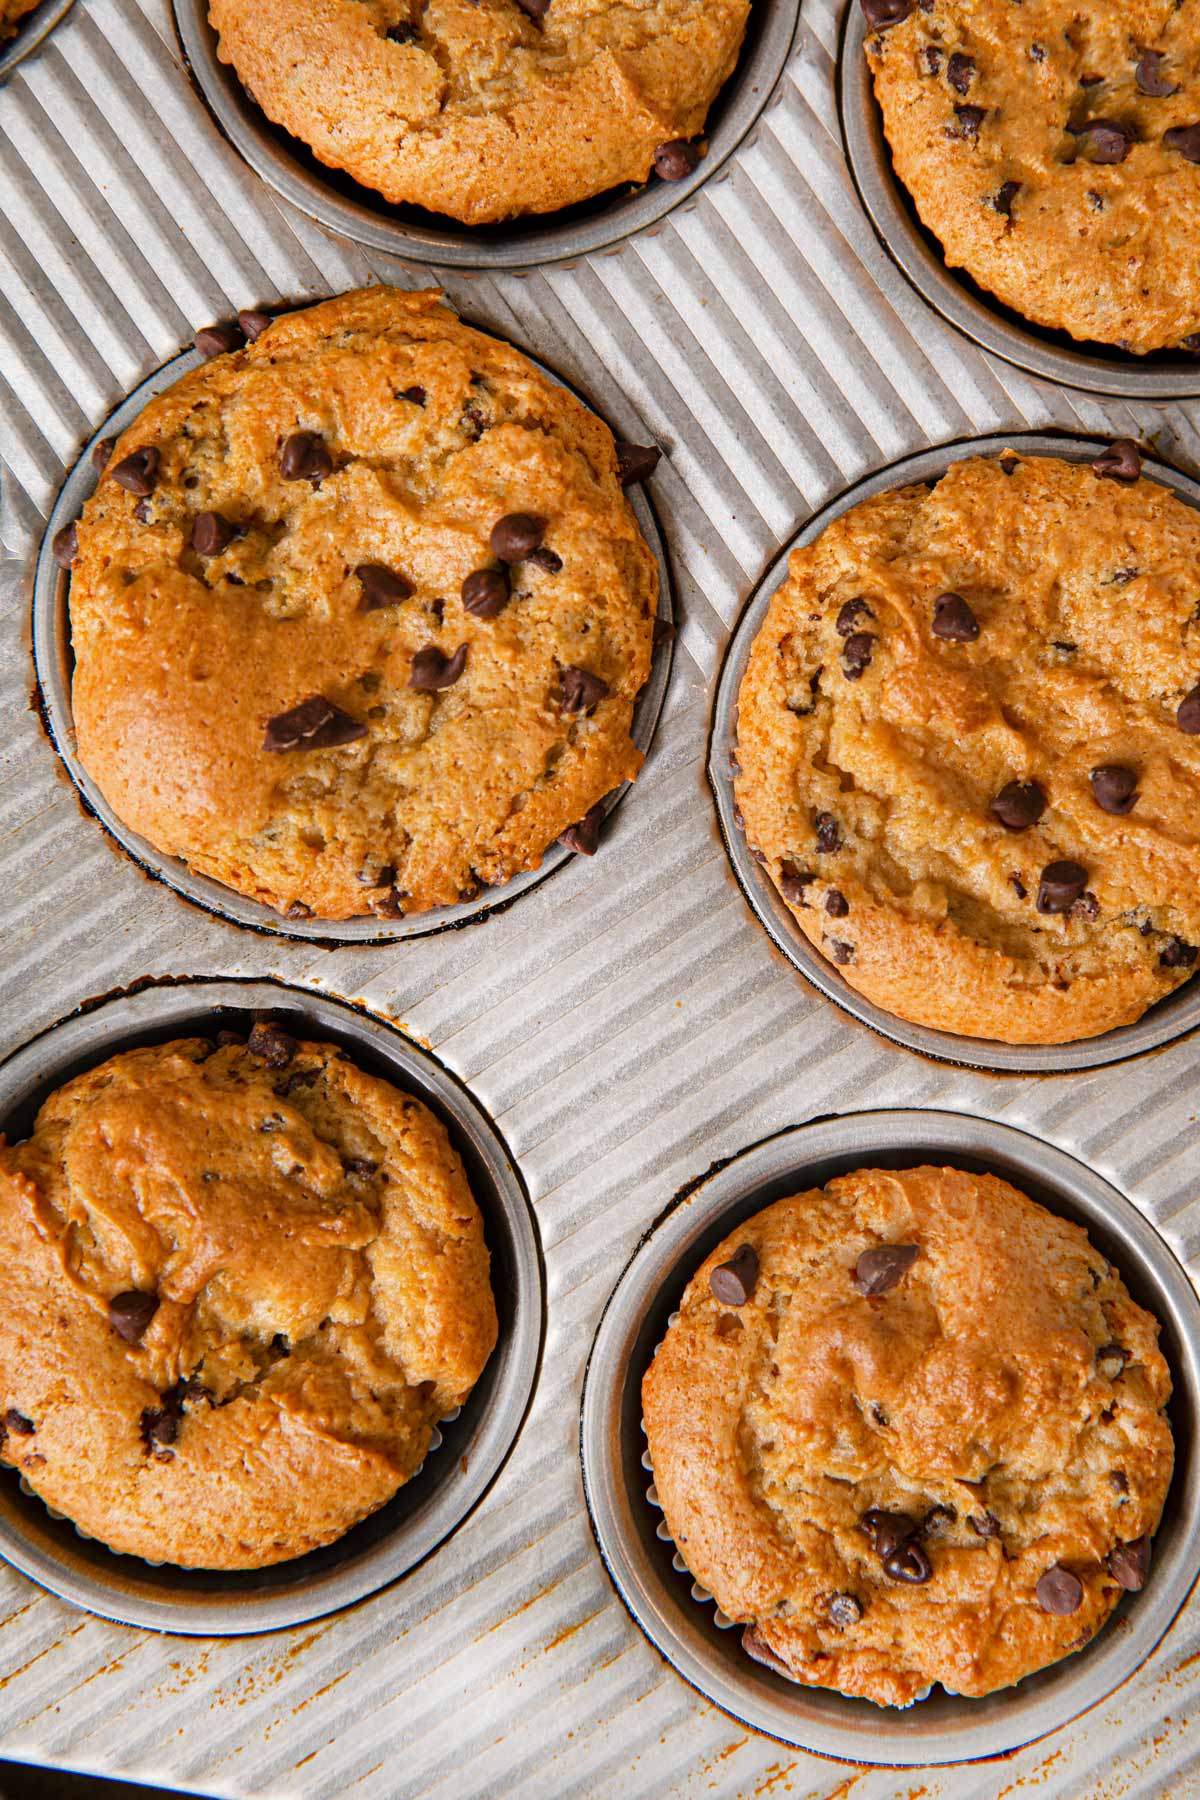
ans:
x=881 y=15
x=1129 y=1564
x=840 y=951
x=218 y=340
x=1102 y=140
x=961 y=72
x=967 y=120
x=315 y=724
x=938 y=1520
x=64 y=546
x=254 y=323
x=793 y=883
x=360 y=1166
x=582 y=691
x=857 y=652
x=1178 y=954
x=675 y=160
x=432 y=670
x=1187 y=715
x=887 y=1530
x=1114 y=787
x=1111 y=1360
x=1185 y=139
x=848 y=616
x=1061 y=885
x=551 y=562
x=1002 y=201
x=415 y=395
x=160 y=1424
x=404 y=33
x=381 y=586
x=274 y=1046
x=636 y=462
x=486 y=593
x=953 y=620
x=1018 y=805
x=1150 y=78
x=1122 y=461
x=130 y=1313
x=843 y=1610
x=101 y=453
x=138 y=472
x=908 y=1563
x=534 y=9
x=1059 y=1592
x=305 y=457
x=16 y=1423
x=879 y=1270
x=584 y=838
x=984 y=1525
x=516 y=535
x=733 y=1282
x=212 y=532
x=829 y=836
x=836 y=904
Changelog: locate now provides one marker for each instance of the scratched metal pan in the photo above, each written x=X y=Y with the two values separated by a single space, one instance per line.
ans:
x=640 y=1557
x=54 y=665
x=476 y=1442
x=338 y=202
x=1100 y=368
x=33 y=29
x=1169 y=1019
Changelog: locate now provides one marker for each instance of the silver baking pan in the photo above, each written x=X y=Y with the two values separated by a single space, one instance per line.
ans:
x=341 y=204
x=951 y=292
x=1170 y=1018
x=475 y=1443
x=32 y=30
x=943 y=1728
x=54 y=664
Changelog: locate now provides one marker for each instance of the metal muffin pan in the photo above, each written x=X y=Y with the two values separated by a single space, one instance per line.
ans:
x=32 y=30
x=952 y=292
x=1168 y=1019
x=338 y=202
x=476 y=1442
x=943 y=1728
x=54 y=664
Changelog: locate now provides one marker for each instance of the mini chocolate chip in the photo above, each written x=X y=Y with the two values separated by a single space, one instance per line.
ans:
x=1111 y=1360
x=101 y=453
x=1122 y=461
x=254 y=323
x=138 y=472
x=16 y=1423
x=1064 y=648
x=793 y=883
x=274 y=1046
x=967 y=120
x=933 y=58
x=1114 y=787
x=636 y=462
x=305 y=457
x=849 y=615
x=953 y=620
x=1129 y=1564
x=1150 y=78
x=130 y=1313
x=1002 y=201
x=486 y=593
x=515 y=535
x=404 y=33
x=1060 y=886
x=676 y=159
x=908 y=1563
x=212 y=533
x=1178 y=954
x=879 y=1415
x=733 y=1282
x=836 y=904
x=880 y=1269
x=1058 y=1591
x=938 y=1520
x=984 y=1525
x=550 y=561
x=160 y=1424
x=64 y=546
x=1187 y=715
x=961 y=72
x=584 y=838
x=1185 y=139
x=1102 y=140
x=887 y=1530
x=432 y=670
x=360 y=1166
x=829 y=837
x=1037 y=53
x=1118 y=1481
x=218 y=340
x=415 y=395
x=840 y=951
x=582 y=691
x=857 y=652
x=1019 y=888
x=1018 y=805
x=844 y=1609
x=315 y=724
x=381 y=587
x=882 y=14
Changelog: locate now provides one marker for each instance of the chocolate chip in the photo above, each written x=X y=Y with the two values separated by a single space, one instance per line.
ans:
x=218 y=340
x=1118 y=1481
x=141 y=512
x=1122 y=461
x=486 y=593
x=967 y=120
x=844 y=1609
x=552 y=563
x=1018 y=805
x=130 y=1313
x=584 y=838
x=840 y=951
x=882 y=14
x=1129 y=1564
x=984 y=1525
x=793 y=883
x=1061 y=885
x=360 y=1166
x=953 y=620
x=212 y=533
x=1185 y=139
x=1114 y=787
x=754 y=1646
x=636 y=462
x=1178 y=954
x=1111 y=1360
x=879 y=1270
x=1002 y=201
x=1037 y=53
x=857 y=652
x=1091 y=81
x=910 y=1564
x=1187 y=715
x=1150 y=78
x=733 y=1282
x=829 y=837
x=836 y=904
x=534 y=9
x=160 y=1424
x=274 y=1046
x=582 y=691
x=1058 y=1591
x=516 y=535
x=102 y=453
x=305 y=457
x=16 y=1423
x=1102 y=140
x=138 y=472
x=938 y=1520
x=432 y=670
x=887 y=1530
x=849 y=615
x=299 y=1078
x=64 y=546
x=315 y=724
x=675 y=160
x=933 y=58
x=416 y=395
x=225 y=1039
x=961 y=72
x=1019 y=888
x=404 y=33
x=381 y=587
x=254 y=323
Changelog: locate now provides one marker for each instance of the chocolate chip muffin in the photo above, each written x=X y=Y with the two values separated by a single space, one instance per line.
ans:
x=11 y=14
x=483 y=109
x=360 y=612
x=243 y=1281
x=1053 y=151
x=909 y=1428
x=969 y=746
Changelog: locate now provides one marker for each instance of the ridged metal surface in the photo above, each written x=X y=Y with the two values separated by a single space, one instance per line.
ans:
x=627 y=1023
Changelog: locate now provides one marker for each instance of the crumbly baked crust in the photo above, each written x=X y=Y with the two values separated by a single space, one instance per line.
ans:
x=868 y=794
x=484 y=112
x=975 y=1385
x=322 y=1299
x=435 y=432
x=985 y=109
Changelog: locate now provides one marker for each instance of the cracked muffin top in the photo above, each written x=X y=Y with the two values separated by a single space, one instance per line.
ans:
x=243 y=1283
x=969 y=746
x=483 y=109
x=360 y=612
x=909 y=1428
x=1053 y=151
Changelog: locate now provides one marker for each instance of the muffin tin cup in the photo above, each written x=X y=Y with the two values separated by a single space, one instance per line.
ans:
x=339 y=203
x=952 y=293
x=54 y=665
x=33 y=30
x=474 y=1443
x=943 y=1728
x=1168 y=1019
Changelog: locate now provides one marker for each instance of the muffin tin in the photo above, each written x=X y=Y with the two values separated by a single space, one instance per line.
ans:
x=1169 y=1019
x=54 y=663
x=641 y=1558
x=476 y=1442
x=33 y=28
